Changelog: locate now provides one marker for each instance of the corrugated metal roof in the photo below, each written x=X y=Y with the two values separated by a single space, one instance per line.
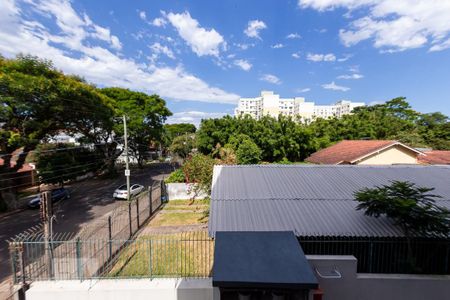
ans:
x=310 y=200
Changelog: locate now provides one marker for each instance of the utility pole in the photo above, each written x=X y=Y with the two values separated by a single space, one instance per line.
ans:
x=47 y=218
x=127 y=169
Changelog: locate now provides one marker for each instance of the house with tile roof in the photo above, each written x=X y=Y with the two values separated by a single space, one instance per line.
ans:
x=435 y=157
x=366 y=152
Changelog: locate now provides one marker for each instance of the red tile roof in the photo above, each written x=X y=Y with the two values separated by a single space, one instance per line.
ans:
x=348 y=151
x=435 y=157
x=26 y=167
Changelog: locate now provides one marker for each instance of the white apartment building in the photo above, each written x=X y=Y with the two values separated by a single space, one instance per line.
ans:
x=271 y=104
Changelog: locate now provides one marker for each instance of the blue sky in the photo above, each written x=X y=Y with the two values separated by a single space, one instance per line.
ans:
x=201 y=56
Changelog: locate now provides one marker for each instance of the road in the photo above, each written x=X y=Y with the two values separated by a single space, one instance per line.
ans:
x=89 y=200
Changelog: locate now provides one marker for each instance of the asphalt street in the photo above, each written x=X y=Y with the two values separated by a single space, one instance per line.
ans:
x=89 y=200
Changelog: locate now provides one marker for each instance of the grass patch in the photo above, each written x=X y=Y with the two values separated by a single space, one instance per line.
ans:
x=193 y=208
x=188 y=254
x=177 y=219
x=189 y=202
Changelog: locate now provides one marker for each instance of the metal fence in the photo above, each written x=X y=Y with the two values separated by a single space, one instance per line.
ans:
x=87 y=253
x=426 y=256
x=188 y=254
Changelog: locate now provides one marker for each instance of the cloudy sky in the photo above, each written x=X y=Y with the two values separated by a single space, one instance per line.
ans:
x=201 y=56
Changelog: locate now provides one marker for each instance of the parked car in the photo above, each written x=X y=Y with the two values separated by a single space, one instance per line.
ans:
x=121 y=191
x=56 y=194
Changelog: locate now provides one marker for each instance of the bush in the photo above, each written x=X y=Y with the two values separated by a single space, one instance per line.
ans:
x=198 y=169
x=176 y=176
x=248 y=153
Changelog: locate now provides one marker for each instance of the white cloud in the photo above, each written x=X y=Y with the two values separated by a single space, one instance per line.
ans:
x=254 y=27
x=351 y=76
x=344 y=58
x=393 y=25
x=159 y=22
x=321 y=57
x=376 y=102
x=354 y=69
x=270 y=78
x=157 y=48
x=193 y=117
x=296 y=55
x=142 y=15
x=202 y=41
x=74 y=28
x=277 y=46
x=244 y=46
x=303 y=90
x=293 y=36
x=333 y=86
x=243 y=64
x=74 y=55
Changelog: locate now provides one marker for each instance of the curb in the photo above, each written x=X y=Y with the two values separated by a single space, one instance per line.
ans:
x=7 y=214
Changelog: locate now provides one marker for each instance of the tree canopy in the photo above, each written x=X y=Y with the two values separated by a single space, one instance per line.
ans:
x=288 y=139
x=145 y=117
x=171 y=131
x=411 y=207
x=38 y=101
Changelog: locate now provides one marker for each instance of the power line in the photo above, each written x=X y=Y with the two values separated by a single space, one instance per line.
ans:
x=92 y=154
x=46 y=172
x=40 y=181
x=65 y=149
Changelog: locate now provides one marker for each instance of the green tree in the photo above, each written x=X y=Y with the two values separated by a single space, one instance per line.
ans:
x=198 y=169
x=248 y=153
x=411 y=207
x=182 y=145
x=171 y=131
x=145 y=117
x=37 y=101
x=57 y=163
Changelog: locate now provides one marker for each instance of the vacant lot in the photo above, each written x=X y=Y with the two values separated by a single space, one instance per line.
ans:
x=182 y=212
x=174 y=244
x=188 y=254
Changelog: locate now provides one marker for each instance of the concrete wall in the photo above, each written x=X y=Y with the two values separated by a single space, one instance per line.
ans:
x=393 y=155
x=181 y=191
x=337 y=277
x=123 y=289
x=354 y=286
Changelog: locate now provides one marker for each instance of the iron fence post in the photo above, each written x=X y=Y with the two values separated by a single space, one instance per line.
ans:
x=446 y=259
x=137 y=212
x=78 y=253
x=110 y=236
x=163 y=196
x=13 y=258
x=150 y=259
x=129 y=219
x=150 y=190
x=370 y=256
x=22 y=264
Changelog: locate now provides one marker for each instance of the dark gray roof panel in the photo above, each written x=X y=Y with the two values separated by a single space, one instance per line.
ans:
x=309 y=200
x=318 y=182
x=261 y=260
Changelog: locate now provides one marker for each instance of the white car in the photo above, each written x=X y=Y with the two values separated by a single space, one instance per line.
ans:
x=121 y=191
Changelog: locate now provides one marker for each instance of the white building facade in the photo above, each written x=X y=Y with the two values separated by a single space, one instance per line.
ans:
x=271 y=104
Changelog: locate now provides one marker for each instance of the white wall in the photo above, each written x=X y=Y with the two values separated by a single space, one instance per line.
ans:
x=123 y=289
x=182 y=191
x=350 y=286
x=357 y=286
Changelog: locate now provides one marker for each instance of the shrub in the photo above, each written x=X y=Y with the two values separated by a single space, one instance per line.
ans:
x=176 y=176
x=248 y=153
x=198 y=169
